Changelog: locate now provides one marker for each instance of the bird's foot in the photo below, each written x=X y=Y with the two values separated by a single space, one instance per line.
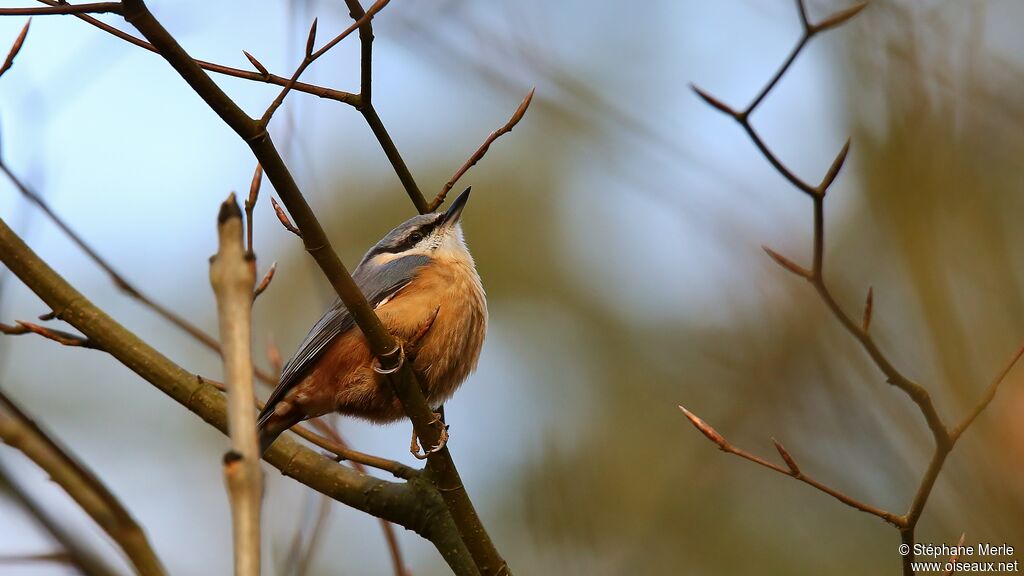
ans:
x=442 y=439
x=399 y=352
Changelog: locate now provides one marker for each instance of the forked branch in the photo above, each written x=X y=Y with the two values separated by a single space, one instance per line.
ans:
x=944 y=438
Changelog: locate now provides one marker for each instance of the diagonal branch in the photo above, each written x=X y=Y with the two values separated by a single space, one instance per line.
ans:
x=791 y=470
x=262 y=76
x=369 y=113
x=58 y=336
x=19 y=431
x=311 y=56
x=79 y=555
x=479 y=154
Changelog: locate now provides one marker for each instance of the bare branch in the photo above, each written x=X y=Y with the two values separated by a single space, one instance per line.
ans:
x=58 y=336
x=370 y=113
x=792 y=470
x=990 y=393
x=62 y=8
x=312 y=56
x=263 y=75
x=479 y=154
x=81 y=556
x=232 y=275
x=19 y=431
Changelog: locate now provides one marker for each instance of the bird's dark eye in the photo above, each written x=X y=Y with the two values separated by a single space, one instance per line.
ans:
x=415 y=237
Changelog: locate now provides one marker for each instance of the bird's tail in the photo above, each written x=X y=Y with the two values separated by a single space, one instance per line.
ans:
x=271 y=425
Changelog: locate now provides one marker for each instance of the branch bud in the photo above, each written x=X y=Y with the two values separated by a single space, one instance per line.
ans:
x=869 y=304
x=790 y=463
x=706 y=429
x=839 y=17
x=257 y=65
x=714 y=102
x=787 y=263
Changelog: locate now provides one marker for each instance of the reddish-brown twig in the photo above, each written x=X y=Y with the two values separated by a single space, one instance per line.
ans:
x=263 y=75
x=944 y=437
x=476 y=156
x=311 y=56
x=58 y=336
x=791 y=469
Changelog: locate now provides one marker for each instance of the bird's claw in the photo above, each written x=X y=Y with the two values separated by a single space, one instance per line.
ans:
x=442 y=439
x=400 y=352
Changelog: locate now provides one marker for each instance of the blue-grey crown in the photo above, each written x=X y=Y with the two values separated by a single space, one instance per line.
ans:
x=404 y=236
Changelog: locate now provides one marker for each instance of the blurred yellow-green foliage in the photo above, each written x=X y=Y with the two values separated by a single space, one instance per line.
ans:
x=618 y=233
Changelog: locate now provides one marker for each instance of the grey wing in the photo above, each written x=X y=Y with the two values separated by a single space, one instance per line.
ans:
x=377 y=283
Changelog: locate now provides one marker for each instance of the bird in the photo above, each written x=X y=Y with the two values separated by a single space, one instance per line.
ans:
x=423 y=284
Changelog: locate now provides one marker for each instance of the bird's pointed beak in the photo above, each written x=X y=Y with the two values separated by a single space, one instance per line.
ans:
x=455 y=210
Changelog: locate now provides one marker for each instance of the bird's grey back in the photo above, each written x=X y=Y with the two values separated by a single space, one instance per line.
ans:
x=376 y=282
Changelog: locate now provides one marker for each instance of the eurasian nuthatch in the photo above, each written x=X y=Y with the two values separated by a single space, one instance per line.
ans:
x=422 y=283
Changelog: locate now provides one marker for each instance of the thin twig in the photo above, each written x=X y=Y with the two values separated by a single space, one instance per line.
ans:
x=233 y=275
x=120 y=281
x=479 y=154
x=986 y=398
x=263 y=75
x=791 y=470
x=311 y=56
x=20 y=431
x=58 y=336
